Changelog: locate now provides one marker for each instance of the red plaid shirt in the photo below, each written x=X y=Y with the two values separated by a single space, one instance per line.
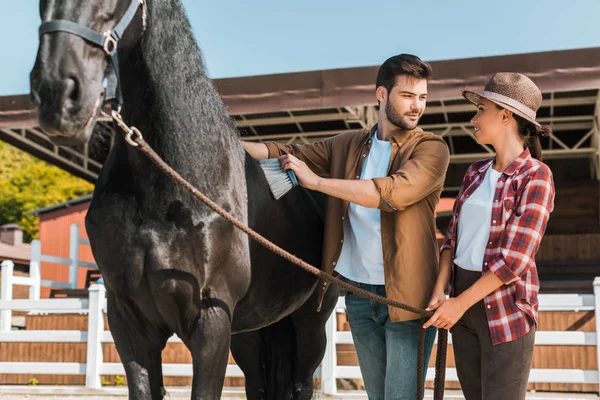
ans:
x=523 y=201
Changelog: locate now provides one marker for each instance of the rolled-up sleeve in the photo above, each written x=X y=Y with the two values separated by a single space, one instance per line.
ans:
x=418 y=177
x=525 y=228
x=316 y=155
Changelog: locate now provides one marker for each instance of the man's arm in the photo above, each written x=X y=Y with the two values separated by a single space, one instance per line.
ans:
x=418 y=177
x=361 y=192
x=258 y=151
x=316 y=155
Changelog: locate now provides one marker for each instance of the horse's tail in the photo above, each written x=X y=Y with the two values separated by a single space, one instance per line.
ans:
x=278 y=352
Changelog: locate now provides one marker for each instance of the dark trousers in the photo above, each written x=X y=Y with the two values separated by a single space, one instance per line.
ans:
x=488 y=372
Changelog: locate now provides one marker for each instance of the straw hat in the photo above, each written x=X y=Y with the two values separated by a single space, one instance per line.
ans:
x=512 y=91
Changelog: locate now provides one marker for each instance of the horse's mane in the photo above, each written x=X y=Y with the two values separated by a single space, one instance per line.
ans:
x=169 y=91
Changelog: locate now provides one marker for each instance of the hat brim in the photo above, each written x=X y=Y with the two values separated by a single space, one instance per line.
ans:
x=476 y=97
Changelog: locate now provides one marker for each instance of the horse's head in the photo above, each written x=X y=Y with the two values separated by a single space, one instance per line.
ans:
x=67 y=78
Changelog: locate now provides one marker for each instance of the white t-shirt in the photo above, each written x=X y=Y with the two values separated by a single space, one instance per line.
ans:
x=361 y=259
x=474 y=224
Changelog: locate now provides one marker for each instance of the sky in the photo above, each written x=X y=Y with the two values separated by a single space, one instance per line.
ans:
x=256 y=37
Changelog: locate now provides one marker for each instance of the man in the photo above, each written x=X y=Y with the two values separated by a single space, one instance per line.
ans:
x=380 y=226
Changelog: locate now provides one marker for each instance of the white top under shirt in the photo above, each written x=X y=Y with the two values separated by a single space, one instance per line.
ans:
x=361 y=259
x=474 y=224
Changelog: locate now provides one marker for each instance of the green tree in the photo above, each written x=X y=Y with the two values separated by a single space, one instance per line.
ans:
x=27 y=183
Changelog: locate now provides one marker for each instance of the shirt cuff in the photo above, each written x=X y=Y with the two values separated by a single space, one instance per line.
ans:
x=382 y=184
x=499 y=267
x=274 y=150
x=447 y=245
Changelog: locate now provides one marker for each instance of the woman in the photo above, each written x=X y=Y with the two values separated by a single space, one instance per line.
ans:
x=499 y=219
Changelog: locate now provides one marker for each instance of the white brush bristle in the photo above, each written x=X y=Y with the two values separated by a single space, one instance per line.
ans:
x=279 y=181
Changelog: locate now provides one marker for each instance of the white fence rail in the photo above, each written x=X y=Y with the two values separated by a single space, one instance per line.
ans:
x=94 y=366
x=34 y=280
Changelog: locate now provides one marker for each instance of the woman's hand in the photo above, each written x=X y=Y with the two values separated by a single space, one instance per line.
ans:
x=437 y=298
x=447 y=314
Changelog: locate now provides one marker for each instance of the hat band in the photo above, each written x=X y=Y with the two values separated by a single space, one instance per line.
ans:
x=510 y=102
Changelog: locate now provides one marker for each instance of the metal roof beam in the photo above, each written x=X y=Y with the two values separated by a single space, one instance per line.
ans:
x=458 y=108
x=297 y=119
x=49 y=154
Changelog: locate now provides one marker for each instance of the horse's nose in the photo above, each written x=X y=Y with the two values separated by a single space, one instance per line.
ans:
x=55 y=99
x=60 y=91
x=71 y=90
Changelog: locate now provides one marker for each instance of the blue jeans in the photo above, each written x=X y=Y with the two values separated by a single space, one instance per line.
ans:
x=387 y=351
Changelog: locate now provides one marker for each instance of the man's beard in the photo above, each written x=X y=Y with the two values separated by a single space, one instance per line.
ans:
x=399 y=120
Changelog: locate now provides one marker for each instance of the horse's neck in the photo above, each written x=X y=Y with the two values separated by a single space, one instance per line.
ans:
x=169 y=97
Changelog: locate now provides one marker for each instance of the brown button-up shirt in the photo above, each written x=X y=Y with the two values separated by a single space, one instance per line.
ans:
x=409 y=195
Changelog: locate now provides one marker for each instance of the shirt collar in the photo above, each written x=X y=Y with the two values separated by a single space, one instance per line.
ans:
x=512 y=168
x=398 y=137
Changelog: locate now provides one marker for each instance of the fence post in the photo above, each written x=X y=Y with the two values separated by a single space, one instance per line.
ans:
x=34 y=269
x=73 y=255
x=7 y=293
x=328 y=381
x=94 y=335
x=597 y=313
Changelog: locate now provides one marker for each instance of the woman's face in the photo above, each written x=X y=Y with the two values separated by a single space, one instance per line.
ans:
x=488 y=122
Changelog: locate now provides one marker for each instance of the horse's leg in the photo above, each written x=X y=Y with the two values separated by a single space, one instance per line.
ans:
x=209 y=345
x=309 y=326
x=139 y=346
x=268 y=354
x=245 y=348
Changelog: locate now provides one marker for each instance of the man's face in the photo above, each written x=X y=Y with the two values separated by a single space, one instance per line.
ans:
x=405 y=103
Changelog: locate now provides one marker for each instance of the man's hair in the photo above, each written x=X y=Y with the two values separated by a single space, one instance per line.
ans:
x=402 y=64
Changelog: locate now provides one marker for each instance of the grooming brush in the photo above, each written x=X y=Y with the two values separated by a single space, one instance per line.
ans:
x=280 y=182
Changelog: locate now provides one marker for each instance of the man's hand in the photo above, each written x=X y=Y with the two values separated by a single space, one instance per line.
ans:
x=306 y=177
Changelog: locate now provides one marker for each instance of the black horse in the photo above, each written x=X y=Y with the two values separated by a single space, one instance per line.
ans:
x=170 y=265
